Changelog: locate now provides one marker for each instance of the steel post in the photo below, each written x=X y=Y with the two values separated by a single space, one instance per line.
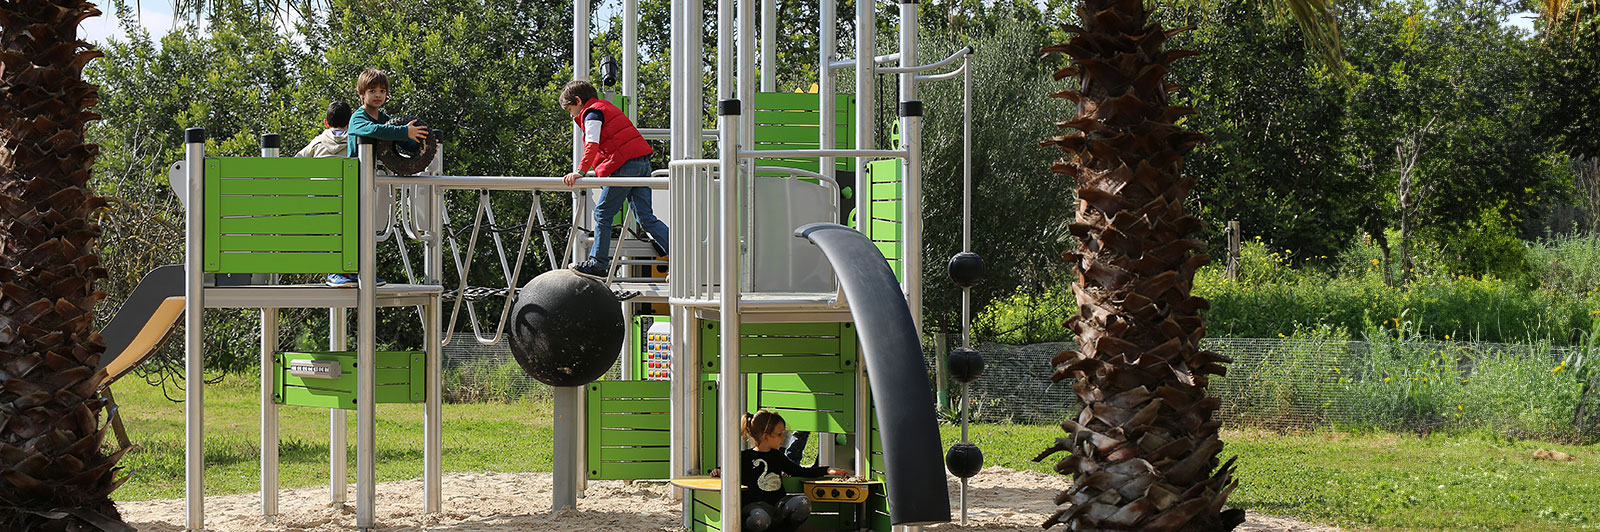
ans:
x=193 y=342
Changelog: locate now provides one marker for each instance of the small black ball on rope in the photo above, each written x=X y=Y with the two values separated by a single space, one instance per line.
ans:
x=965 y=364
x=401 y=163
x=965 y=269
x=964 y=459
x=566 y=330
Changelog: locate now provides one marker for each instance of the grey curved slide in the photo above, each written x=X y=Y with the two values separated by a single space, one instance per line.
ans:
x=912 y=458
x=143 y=323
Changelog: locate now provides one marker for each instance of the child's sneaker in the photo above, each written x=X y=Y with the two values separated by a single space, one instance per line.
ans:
x=348 y=279
x=591 y=269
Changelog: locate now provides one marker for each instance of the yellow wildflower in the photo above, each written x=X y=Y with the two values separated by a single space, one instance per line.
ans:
x=1374 y=262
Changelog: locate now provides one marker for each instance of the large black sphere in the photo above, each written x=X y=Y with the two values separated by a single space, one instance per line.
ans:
x=965 y=363
x=964 y=459
x=566 y=330
x=965 y=269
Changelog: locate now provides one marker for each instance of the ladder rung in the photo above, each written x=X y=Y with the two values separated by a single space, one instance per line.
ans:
x=642 y=262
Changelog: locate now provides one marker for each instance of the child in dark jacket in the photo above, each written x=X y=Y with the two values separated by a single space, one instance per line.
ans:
x=761 y=469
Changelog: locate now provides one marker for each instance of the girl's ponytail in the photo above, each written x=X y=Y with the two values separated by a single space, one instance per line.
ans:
x=744 y=426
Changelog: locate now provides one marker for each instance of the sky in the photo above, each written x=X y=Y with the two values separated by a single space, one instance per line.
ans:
x=156 y=17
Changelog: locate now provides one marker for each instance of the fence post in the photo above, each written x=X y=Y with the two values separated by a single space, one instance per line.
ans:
x=1233 y=250
x=941 y=349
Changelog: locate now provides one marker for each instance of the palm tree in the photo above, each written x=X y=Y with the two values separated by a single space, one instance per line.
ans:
x=1143 y=449
x=53 y=475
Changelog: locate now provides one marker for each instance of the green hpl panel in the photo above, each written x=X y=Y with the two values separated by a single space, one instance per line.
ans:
x=885 y=226
x=790 y=121
x=629 y=428
x=399 y=378
x=280 y=215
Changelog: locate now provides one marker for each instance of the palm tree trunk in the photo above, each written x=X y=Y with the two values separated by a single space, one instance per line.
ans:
x=1143 y=450
x=53 y=475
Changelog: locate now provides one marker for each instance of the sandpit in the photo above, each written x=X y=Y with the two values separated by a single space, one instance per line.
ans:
x=1002 y=500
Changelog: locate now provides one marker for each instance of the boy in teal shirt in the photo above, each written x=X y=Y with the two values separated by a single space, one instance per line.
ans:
x=369 y=121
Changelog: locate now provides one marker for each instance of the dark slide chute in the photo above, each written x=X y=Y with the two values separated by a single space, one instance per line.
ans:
x=913 y=461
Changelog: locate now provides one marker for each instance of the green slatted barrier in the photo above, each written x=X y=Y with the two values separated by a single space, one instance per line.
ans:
x=790 y=121
x=627 y=427
x=885 y=227
x=399 y=379
x=280 y=215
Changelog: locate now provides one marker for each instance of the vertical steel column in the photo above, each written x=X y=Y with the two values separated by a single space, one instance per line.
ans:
x=338 y=422
x=911 y=181
x=694 y=99
x=193 y=344
x=630 y=57
x=270 y=143
x=366 y=344
x=730 y=407
x=580 y=66
x=677 y=146
x=829 y=120
x=866 y=65
x=433 y=338
x=564 y=455
x=769 y=46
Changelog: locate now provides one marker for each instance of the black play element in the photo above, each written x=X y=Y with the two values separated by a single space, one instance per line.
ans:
x=403 y=162
x=964 y=459
x=893 y=354
x=966 y=364
x=608 y=71
x=965 y=269
x=566 y=330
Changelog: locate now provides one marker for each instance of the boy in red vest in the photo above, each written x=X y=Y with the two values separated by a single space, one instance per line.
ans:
x=612 y=147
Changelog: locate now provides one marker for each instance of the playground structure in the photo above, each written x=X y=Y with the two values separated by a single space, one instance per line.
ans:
x=836 y=350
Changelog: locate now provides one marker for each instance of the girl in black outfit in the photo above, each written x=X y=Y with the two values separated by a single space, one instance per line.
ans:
x=765 y=505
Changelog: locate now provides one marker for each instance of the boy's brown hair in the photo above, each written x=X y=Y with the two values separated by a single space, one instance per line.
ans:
x=578 y=91
x=371 y=78
x=760 y=424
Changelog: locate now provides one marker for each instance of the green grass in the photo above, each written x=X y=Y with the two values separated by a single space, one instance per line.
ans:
x=497 y=437
x=1358 y=481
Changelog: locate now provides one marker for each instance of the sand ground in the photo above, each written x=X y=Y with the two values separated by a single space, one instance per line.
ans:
x=1000 y=500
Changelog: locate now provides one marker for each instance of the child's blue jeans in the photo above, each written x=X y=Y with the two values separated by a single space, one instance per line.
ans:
x=611 y=200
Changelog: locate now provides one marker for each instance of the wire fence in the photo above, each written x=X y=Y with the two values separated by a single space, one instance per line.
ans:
x=1276 y=383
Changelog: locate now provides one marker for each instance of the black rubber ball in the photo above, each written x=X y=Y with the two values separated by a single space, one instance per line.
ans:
x=965 y=269
x=402 y=161
x=566 y=330
x=966 y=364
x=964 y=459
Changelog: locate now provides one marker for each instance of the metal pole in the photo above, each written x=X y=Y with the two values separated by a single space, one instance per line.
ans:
x=866 y=42
x=366 y=345
x=678 y=148
x=193 y=343
x=338 y=422
x=911 y=181
x=729 y=404
x=769 y=45
x=564 y=488
x=966 y=195
x=433 y=410
x=828 y=101
x=580 y=66
x=270 y=144
x=966 y=404
x=630 y=57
